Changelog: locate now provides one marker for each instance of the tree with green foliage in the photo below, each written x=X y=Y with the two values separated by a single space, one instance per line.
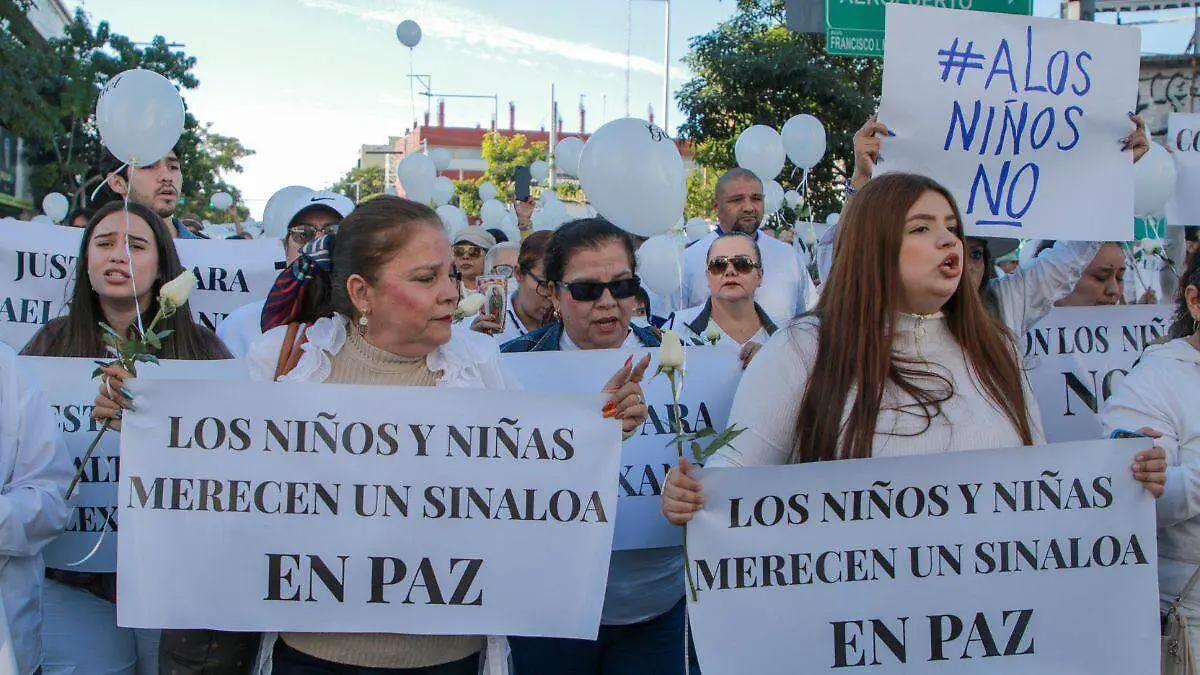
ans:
x=51 y=106
x=503 y=155
x=701 y=194
x=753 y=70
x=360 y=184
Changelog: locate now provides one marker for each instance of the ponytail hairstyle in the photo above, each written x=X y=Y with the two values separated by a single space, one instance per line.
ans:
x=314 y=285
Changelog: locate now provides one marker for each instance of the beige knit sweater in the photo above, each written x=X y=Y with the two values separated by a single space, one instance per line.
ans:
x=359 y=362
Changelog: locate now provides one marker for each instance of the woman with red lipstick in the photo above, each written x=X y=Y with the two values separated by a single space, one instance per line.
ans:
x=373 y=305
x=125 y=257
x=591 y=271
x=900 y=342
x=730 y=315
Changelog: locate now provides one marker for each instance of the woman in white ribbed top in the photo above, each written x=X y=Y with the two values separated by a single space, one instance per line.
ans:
x=898 y=358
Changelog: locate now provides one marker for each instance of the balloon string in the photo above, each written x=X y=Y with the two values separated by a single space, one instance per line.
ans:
x=103 y=183
x=129 y=256
x=99 y=542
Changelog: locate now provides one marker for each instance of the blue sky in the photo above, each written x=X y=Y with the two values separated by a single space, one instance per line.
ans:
x=306 y=82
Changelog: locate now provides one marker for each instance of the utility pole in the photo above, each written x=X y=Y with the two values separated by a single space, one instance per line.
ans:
x=666 y=109
x=553 y=133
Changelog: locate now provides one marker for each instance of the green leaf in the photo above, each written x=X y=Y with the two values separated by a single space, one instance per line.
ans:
x=111 y=331
x=152 y=340
x=97 y=373
x=147 y=358
x=112 y=341
x=164 y=334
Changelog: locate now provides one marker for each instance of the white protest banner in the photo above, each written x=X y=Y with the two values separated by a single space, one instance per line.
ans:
x=1183 y=140
x=1076 y=358
x=324 y=507
x=37 y=269
x=1028 y=560
x=1014 y=115
x=711 y=378
x=89 y=543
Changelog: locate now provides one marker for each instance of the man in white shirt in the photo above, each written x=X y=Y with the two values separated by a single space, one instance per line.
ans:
x=786 y=290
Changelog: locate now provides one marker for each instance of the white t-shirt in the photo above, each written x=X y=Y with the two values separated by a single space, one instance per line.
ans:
x=786 y=290
x=241 y=328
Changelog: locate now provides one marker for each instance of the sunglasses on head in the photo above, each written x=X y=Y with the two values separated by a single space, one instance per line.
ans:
x=467 y=251
x=502 y=270
x=590 y=291
x=742 y=264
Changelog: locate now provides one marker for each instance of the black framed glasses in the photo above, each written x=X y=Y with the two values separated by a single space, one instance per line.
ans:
x=742 y=264
x=590 y=291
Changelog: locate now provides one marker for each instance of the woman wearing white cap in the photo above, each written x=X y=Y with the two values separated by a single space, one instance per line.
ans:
x=471 y=244
x=313 y=213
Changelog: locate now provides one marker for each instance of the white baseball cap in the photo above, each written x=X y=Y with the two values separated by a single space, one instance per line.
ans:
x=320 y=199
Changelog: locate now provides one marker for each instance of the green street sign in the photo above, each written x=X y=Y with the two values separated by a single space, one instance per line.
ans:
x=855 y=27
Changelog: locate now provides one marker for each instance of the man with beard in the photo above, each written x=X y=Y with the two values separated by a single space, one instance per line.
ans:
x=156 y=186
x=786 y=289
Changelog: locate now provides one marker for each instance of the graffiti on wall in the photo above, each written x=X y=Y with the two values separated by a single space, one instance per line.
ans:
x=1162 y=90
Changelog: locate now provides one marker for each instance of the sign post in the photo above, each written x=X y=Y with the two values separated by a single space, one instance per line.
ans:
x=855 y=27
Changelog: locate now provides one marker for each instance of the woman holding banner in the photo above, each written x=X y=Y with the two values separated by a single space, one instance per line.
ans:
x=373 y=305
x=125 y=256
x=898 y=342
x=590 y=268
x=1022 y=298
x=1160 y=393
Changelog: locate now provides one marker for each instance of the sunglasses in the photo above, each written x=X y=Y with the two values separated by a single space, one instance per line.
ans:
x=742 y=264
x=467 y=251
x=590 y=291
x=502 y=270
x=306 y=233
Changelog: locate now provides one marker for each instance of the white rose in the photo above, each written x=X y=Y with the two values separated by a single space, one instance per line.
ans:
x=470 y=304
x=176 y=291
x=1151 y=246
x=670 y=354
x=712 y=332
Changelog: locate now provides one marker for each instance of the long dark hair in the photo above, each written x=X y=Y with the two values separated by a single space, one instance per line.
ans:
x=854 y=351
x=365 y=241
x=1184 y=324
x=78 y=333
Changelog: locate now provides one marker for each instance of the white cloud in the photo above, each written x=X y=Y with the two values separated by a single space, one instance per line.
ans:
x=441 y=20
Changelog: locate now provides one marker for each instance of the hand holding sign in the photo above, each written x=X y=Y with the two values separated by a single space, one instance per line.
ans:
x=866 y=149
x=626 y=401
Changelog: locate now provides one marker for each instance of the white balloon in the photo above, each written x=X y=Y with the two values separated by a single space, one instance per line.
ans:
x=539 y=170
x=660 y=264
x=417 y=175
x=221 y=201
x=56 y=206
x=804 y=140
x=441 y=158
x=566 y=155
x=832 y=219
x=634 y=176
x=792 y=198
x=509 y=227
x=391 y=191
x=487 y=191
x=697 y=228
x=408 y=33
x=453 y=219
x=492 y=212
x=279 y=209
x=760 y=149
x=1153 y=181
x=443 y=190
x=772 y=197
x=140 y=117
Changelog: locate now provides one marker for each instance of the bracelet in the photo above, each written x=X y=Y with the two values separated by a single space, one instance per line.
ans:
x=848 y=186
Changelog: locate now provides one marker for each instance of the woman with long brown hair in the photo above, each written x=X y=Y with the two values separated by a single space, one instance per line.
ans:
x=125 y=256
x=898 y=358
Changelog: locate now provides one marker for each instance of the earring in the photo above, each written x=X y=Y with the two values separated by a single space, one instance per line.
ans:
x=362 y=321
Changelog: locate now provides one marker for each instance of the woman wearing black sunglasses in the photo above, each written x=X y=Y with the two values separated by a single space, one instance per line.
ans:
x=590 y=270
x=730 y=315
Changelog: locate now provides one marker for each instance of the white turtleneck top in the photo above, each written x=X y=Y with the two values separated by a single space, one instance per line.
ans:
x=769 y=396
